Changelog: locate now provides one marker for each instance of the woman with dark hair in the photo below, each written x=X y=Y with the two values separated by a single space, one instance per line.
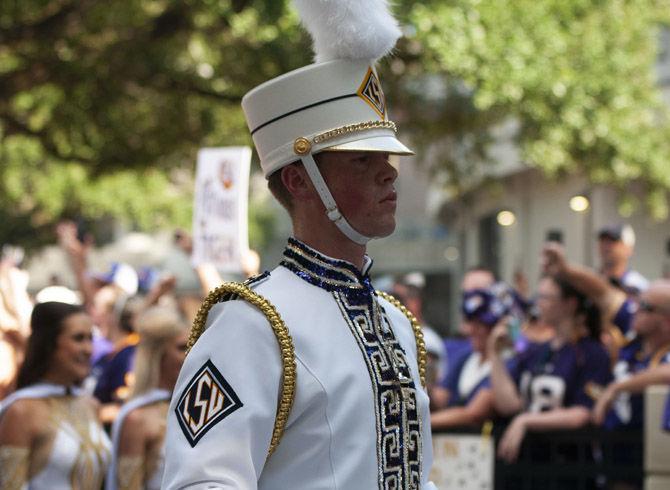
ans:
x=551 y=385
x=50 y=436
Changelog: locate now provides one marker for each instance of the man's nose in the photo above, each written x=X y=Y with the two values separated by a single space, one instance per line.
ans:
x=388 y=172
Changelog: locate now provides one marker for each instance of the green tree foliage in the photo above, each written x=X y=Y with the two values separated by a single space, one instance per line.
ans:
x=578 y=76
x=104 y=104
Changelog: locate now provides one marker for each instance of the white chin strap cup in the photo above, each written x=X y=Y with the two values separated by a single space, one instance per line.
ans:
x=332 y=211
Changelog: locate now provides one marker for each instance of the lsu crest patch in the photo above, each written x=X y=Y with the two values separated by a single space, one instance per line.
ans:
x=206 y=401
x=371 y=92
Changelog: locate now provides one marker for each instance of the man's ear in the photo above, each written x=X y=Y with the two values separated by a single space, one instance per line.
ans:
x=297 y=182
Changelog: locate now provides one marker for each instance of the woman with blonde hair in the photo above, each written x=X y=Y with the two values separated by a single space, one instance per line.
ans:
x=138 y=434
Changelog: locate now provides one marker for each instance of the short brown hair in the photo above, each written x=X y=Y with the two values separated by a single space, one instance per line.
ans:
x=279 y=190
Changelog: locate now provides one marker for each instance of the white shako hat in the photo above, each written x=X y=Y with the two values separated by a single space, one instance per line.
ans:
x=335 y=105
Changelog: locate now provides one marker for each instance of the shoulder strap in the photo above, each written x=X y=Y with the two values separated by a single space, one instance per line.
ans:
x=152 y=396
x=418 y=334
x=38 y=390
x=233 y=290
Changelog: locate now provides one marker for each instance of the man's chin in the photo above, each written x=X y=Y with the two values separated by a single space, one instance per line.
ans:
x=381 y=229
x=386 y=231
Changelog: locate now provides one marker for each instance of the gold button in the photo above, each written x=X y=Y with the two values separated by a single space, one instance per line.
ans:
x=301 y=146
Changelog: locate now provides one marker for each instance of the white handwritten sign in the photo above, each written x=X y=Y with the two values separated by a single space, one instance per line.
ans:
x=462 y=462
x=220 y=232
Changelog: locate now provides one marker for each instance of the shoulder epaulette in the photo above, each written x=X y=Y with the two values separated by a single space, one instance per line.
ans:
x=234 y=290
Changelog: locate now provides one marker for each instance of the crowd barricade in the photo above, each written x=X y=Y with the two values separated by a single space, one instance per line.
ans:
x=586 y=458
x=656 y=441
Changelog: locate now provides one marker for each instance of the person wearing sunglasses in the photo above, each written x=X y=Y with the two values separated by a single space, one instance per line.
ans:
x=642 y=328
x=643 y=362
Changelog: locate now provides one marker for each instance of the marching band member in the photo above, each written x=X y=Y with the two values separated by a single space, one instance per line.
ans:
x=138 y=433
x=50 y=436
x=306 y=377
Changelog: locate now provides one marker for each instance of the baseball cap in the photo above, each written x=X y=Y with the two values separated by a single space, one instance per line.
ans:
x=121 y=275
x=490 y=305
x=618 y=232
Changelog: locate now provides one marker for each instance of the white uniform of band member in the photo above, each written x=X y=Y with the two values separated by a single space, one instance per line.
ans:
x=360 y=417
x=79 y=450
x=348 y=415
x=153 y=480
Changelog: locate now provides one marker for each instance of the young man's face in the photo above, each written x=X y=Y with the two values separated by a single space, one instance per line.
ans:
x=613 y=252
x=362 y=185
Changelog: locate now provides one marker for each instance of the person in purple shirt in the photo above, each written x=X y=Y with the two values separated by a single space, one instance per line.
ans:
x=475 y=278
x=624 y=315
x=627 y=407
x=469 y=397
x=642 y=362
x=640 y=325
x=617 y=309
x=633 y=386
x=551 y=385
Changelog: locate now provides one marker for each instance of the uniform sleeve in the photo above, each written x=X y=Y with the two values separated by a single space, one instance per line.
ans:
x=594 y=375
x=223 y=408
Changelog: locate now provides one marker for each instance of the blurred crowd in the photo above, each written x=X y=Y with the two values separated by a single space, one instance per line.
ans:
x=86 y=374
x=578 y=350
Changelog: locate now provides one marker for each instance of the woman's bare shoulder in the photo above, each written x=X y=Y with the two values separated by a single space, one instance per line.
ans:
x=134 y=432
x=22 y=421
x=26 y=409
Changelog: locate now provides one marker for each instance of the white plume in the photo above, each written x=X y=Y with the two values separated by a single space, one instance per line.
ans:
x=349 y=29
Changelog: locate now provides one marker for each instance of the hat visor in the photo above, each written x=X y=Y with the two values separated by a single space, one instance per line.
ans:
x=385 y=144
x=612 y=235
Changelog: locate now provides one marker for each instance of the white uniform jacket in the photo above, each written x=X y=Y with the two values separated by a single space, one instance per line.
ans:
x=360 y=419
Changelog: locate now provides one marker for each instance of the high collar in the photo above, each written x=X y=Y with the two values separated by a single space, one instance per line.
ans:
x=325 y=272
x=63 y=389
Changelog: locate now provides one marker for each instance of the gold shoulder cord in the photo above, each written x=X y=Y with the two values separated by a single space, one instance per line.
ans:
x=418 y=334
x=281 y=333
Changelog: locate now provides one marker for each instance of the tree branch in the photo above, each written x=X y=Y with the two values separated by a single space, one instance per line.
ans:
x=13 y=126
x=19 y=32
